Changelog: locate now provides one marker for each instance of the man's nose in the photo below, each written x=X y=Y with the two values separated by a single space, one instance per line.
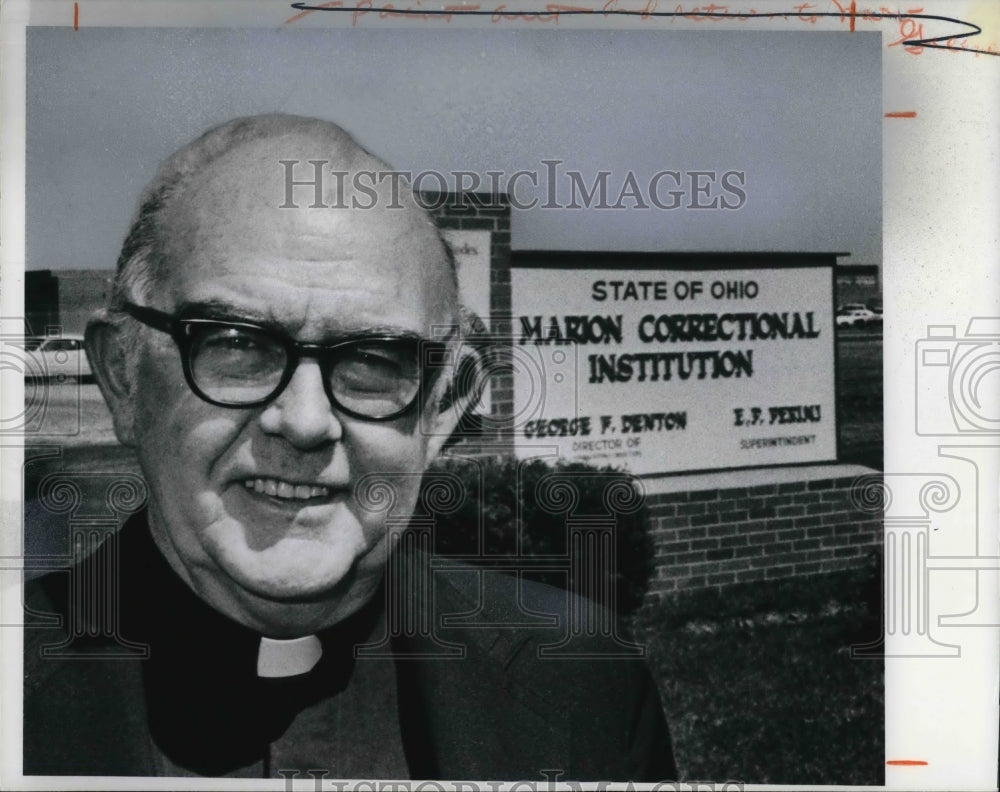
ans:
x=302 y=413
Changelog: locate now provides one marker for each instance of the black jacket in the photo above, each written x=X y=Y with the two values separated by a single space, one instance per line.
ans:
x=492 y=691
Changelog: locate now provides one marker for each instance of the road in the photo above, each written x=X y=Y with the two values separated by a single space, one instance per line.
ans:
x=71 y=414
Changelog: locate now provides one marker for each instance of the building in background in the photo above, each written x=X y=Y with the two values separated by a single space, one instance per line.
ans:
x=61 y=301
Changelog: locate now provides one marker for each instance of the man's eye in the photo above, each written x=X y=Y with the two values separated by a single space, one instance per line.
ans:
x=376 y=366
x=232 y=341
x=379 y=360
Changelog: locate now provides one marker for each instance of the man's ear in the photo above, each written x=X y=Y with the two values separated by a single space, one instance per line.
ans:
x=105 y=346
x=464 y=384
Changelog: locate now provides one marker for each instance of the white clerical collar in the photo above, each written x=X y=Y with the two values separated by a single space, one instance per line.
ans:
x=277 y=658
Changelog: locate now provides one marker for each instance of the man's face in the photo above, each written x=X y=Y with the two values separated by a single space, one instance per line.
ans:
x=258 y=505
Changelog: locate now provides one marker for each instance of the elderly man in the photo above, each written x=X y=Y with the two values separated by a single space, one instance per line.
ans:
x=272 y=350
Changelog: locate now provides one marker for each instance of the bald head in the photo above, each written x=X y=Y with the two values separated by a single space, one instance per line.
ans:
x=236 y=173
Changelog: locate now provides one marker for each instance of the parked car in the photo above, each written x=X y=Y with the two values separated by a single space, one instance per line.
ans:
x=858 y=317
x=57 y=359
x=31 y=343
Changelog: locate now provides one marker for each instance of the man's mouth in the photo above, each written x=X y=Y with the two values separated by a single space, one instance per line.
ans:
x=286 y=490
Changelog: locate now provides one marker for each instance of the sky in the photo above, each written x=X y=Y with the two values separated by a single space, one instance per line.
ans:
x=787 y=110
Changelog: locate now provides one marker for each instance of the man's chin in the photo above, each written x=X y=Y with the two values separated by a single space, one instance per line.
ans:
x=302 y=569
x=296 y=582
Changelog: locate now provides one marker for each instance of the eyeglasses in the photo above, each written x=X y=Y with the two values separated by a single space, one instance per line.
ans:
x=239 y=364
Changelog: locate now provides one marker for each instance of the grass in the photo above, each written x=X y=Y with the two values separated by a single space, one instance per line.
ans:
x=759 y=684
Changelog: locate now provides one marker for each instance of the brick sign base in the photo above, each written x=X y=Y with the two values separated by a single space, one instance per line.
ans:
x=714 y=530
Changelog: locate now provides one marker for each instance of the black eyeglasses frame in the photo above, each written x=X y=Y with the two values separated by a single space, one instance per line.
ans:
x=433 y=356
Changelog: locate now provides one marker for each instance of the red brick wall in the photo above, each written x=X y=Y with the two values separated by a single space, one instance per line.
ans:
x=716 y=537
x=480 y=212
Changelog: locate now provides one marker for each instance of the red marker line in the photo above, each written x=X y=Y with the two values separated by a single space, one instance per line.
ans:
x=854 y=10
x=76 y=16
x=308 y=11
x=906 y=762
x=902 y=114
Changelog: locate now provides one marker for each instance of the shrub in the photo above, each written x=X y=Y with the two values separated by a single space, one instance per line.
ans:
x=529 y=509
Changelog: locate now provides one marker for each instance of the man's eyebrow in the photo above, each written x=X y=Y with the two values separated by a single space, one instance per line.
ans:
x=222 y=311
x=381 y=330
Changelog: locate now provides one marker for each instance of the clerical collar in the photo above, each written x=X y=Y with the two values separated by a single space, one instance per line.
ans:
x=209 y=710
x=286 y=658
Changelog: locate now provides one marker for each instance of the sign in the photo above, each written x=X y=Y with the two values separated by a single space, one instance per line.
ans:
x=471 y=250
x=672 y=370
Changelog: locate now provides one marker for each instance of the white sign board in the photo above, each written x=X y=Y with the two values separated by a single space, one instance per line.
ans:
x=675 y=370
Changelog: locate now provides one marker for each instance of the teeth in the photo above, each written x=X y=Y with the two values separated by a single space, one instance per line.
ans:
x=286 y=490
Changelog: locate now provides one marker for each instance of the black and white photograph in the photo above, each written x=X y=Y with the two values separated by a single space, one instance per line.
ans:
x=627 y=504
